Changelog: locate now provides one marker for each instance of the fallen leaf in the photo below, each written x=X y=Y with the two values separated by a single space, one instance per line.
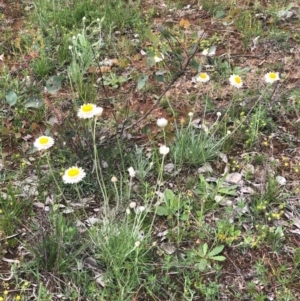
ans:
x=168 y=248
x=295 y=220
x=247 y=190
x=103 y=69
x=169 y=167
x=234 y=177
x=205 y=168
x=185 y=23
x=39 y=205
x=281 y=180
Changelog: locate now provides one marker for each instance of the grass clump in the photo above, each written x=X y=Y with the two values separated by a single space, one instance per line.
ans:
x=196 y=145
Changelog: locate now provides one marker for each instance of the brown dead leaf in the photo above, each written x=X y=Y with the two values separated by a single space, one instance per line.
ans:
x=103 y=69
x=137 y=57
x=184 y=23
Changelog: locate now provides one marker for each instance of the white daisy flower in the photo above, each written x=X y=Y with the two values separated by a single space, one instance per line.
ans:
x=271 y=77
x=73 y=175
x=158 y=58
x=202 y=77
x=162 y=122
x=236 y=81
x=43 y=142
x=131 y=172
x=89 y=110
x=164 y=150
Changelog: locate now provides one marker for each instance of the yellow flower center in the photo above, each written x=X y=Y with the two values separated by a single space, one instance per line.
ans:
x=87 y=108
x=237 y=79
x=73 y=172
x=272 y=75
x=202 y=75
x=44 y=140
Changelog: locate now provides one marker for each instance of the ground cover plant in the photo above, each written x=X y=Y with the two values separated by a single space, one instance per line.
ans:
x=149 y=150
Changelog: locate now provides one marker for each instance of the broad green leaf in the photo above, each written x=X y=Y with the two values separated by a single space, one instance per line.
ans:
x=215 y=251
x=184 y=217
x=153 y=38
x=142 y=81
x=53 y=84
x=220 y=14
x=159 y=78
x=162 y=211
x=195 y=65
x=34 y=102
x=192 y=49
x=297 y=256
x=205 y=248
x=218 y=258
x=146 y=130
x=6 y=131
x=168 y=195
x=202 y=264
x=240 y=71
x=151 y=54
x=11 y=97
x=227 y=190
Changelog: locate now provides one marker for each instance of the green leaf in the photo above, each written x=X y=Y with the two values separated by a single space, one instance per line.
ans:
x=228 y=190
x=11 y=97
x=159 y=78
x=215 y=251
x=218 y=258
x=220 y=14
x=162 y=211
x=142 y=81
x=205 y=248
x=34 y=102
x=184 y=217
x=192 y=49
x=168 y=195
x=153 y=38
x=53 y=84
x=195 y=65
x=202 y=264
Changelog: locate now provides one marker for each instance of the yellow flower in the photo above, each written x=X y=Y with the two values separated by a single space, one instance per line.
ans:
x=43 y=142
x=202 y=77
x=89 y=110
x=271 y=77
x=236 y=81
x=18 y=297
x=73 y=175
